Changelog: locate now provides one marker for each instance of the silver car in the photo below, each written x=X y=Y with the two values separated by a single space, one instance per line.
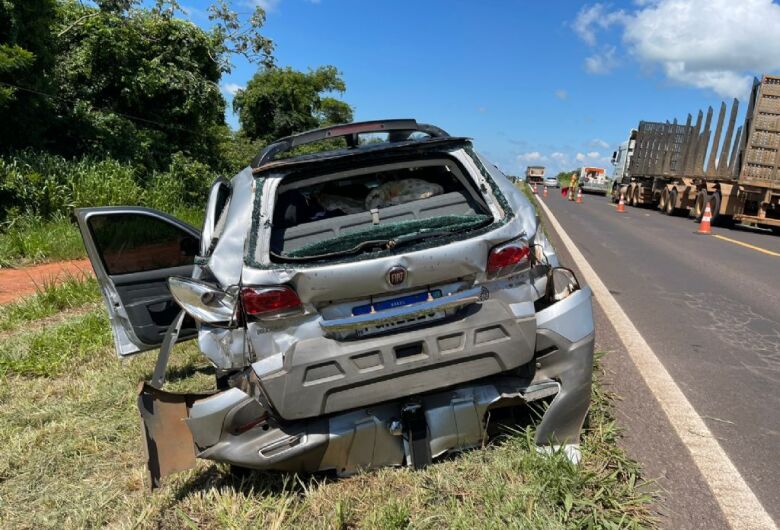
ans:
x=371 y=305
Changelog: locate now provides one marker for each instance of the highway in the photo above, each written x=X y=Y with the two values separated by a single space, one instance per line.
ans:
x=709 y=307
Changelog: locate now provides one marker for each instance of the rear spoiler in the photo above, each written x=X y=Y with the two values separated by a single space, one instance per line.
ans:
x=349 y=131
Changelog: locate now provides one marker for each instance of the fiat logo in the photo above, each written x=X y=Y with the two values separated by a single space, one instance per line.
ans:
x=396 y=275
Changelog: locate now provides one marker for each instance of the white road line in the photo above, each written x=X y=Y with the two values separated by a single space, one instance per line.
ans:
x=738 y=502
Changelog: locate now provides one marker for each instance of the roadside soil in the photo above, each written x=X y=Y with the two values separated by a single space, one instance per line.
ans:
x=21 y=282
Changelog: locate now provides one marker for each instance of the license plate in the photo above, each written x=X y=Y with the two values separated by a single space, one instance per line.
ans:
x=395 y=303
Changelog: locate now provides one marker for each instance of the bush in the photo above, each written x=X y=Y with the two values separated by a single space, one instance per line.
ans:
x=44 y=186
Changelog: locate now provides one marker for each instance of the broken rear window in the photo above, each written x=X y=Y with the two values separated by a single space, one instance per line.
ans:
x=372 y=209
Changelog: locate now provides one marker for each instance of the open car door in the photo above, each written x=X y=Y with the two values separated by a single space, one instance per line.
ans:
x=133 y=252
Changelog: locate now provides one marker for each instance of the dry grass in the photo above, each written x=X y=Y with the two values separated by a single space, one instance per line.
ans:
x=72 y=458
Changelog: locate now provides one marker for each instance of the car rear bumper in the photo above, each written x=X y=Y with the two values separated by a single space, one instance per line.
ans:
x=321 y=375
x=373 y=436
x=595 y=188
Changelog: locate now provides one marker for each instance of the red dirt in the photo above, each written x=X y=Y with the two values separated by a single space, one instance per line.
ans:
x=18 y=283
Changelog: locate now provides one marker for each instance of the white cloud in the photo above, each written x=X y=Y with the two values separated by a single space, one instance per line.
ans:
x=559 y=157
x=561 y=94
x=231 y=88
x=268 y=5
x=710 y=44
x=593 y=18
x=603 y=62
x=594 y=154
x=533 y=156
x=598 y=142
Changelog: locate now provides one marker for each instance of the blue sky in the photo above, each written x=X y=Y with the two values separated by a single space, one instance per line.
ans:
x=557 y=86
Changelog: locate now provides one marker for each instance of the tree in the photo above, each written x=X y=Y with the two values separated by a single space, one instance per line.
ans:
x=26 y=44
x=133 y=83
x=278 y=102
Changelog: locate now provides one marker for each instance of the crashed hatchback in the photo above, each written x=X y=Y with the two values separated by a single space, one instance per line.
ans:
x=374 y=304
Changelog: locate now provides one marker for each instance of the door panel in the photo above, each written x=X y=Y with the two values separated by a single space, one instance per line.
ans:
x=134 y=251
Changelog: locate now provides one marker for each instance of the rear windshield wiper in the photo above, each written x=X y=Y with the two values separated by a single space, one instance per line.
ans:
x=380 y=244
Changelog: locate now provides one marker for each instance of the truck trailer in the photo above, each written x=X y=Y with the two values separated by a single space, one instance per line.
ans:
x=534 y=174
x=681 y=168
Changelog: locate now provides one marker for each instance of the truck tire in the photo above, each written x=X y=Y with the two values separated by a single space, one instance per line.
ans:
x=726 y=221
x=632 y=193
x=671 y=200
x=698 y=207
x=663 y=200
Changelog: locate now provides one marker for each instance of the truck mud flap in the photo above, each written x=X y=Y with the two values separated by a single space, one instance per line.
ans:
x=167 y=439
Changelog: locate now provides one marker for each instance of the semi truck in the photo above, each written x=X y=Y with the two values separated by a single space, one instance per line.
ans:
x=534 y=174
x=680 y=169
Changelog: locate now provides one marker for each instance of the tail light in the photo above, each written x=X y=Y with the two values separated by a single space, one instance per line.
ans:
x=270 y=301
x=508 y=258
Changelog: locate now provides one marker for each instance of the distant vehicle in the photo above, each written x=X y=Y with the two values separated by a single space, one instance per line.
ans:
x=534 y=174
x=621 y=160
x=594 y=180
x=683 y=168
x=551 y=182
x=362 y=307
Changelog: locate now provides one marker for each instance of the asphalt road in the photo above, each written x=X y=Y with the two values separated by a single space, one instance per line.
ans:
x=710 y=309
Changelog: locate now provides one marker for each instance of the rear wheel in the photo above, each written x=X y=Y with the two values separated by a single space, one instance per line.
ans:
x=698 y=207
x=663 y=200
x=671 y=201
x=714 y=203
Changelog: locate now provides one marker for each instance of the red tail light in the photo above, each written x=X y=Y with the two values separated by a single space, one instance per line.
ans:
x=266 y=301
x=508 y=258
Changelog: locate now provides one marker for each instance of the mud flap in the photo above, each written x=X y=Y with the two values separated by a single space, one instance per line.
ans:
x=167 y=439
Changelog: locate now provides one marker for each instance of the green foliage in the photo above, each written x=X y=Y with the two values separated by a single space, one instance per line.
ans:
x=278 y=102
x=26 y=46
x=136 y=85
x=564 y=177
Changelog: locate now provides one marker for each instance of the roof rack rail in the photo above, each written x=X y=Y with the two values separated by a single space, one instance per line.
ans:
x=350 y=131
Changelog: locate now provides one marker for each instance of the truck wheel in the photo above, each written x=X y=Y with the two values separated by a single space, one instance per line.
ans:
x=663 y=200
x=699 y=205
x=714 y=202
x=671 y=200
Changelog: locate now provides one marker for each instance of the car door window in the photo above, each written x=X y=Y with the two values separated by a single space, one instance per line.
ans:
x=131 y=243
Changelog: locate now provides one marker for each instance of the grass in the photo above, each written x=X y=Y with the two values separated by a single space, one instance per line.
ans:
x=73 y=458
x=75 y=291
x=27 y=240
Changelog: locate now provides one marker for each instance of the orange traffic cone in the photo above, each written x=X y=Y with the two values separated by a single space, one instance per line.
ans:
x=579 y=195
x=544 y=192
x=705 y=227
x=621 y=204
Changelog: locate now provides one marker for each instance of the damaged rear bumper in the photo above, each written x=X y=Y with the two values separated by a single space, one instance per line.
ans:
x=232 y=427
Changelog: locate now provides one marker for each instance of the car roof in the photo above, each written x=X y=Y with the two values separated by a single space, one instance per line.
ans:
x=401 y=129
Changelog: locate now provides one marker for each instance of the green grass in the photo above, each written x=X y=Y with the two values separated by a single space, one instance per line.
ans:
x=72 y=458
x=26 y=240
x=50 y=298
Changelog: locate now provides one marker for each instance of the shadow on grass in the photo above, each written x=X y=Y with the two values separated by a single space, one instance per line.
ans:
x=180 y=373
